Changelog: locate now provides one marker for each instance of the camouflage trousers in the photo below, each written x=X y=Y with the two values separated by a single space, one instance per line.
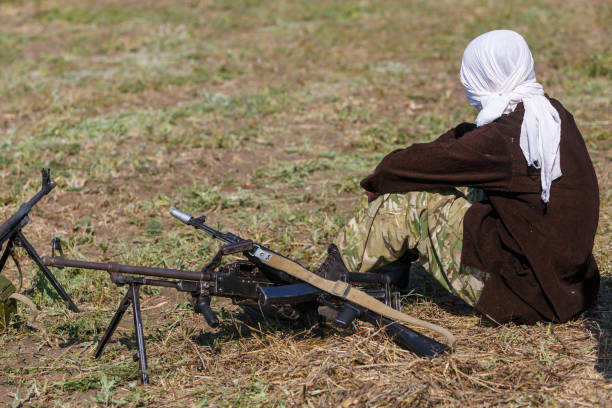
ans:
x=430 y=223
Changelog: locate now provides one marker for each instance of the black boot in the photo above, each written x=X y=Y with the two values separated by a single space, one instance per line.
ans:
x=333 y=267
x=399 y=270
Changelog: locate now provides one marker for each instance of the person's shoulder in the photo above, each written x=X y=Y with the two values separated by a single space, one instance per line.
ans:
x=559 y=107
x=468 y=130
x=456 y=132
x=463 y=128
x=486 y=139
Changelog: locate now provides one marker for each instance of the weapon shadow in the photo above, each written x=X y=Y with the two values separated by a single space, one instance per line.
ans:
x=598 y=317
x=599 y=323
x=258 y=320
x=423 y=285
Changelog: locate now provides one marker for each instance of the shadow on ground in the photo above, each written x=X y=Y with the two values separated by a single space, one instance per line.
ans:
x=599 y=324
x=598 y=318
x=422 y=284
x=255 y=320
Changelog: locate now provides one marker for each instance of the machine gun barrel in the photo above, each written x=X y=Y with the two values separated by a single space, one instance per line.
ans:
x=112 y=267
x=14 y=220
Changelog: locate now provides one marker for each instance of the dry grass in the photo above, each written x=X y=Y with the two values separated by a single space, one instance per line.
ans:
x=265 y=115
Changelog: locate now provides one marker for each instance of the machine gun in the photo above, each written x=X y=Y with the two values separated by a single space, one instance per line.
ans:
x=247 y=282
x=11 y=231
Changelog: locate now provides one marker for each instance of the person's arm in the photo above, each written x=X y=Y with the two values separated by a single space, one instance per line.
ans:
x=479 y=158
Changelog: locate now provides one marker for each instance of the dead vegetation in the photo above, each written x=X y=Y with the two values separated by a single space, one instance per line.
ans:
x=265 y=115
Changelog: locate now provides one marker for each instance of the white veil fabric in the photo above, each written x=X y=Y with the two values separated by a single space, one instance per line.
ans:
x=497 y=74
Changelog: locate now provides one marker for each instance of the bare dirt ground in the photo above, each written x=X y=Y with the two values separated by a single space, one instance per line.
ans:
x=265 y=116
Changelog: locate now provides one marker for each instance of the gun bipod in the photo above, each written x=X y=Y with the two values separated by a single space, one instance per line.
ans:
x=11 y=232
x=18 y=239
x=132 y=296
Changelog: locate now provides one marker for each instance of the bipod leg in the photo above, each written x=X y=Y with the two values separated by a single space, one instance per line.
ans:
x=7 y=251
x=50 y=277
x=142 y=353
x=125 y=303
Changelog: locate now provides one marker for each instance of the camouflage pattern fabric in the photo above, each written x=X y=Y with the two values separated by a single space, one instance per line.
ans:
x=8 y=306
x=429 y=222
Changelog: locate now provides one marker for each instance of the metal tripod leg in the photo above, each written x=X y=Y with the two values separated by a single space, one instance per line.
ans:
x=7 y=251
x=132 y=297
x=50 y=277
x=142 y=353
x=125 y=303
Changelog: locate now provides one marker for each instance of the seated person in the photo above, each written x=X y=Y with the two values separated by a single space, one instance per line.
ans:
x=517 y=245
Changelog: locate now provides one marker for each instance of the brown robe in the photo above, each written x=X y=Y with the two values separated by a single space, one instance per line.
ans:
x=538 y=257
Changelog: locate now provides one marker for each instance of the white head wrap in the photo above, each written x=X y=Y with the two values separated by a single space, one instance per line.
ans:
x=497 y=73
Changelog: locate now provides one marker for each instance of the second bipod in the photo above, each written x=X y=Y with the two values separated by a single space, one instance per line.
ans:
x=18 y=239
